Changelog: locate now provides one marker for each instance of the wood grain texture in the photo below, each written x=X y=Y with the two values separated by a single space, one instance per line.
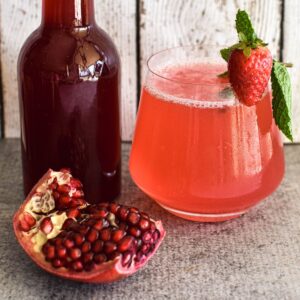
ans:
x=117 y=17
x=291 y=42
x=166 y=23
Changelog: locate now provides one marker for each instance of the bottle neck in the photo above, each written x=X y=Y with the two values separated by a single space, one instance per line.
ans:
x=68 y=13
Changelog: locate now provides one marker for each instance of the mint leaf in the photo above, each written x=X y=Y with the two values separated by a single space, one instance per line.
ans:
x=244 y=27
x=282 y=98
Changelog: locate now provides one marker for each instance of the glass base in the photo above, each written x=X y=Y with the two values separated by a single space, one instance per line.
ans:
x=200 y=217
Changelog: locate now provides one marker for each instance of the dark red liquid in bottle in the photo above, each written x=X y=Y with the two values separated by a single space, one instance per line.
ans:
x=69 y=90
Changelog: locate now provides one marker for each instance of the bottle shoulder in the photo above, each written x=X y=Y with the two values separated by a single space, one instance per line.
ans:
x=64 y=50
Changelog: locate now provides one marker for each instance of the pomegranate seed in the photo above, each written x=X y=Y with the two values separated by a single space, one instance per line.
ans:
x=77 y=266
x=64 y=189
x=68 y=243
x=55 y=195
x=126 y=258
x=77 y=194
x=152 y=227
x=76 y=202
x=68 y=224
x=86 y=247
x=57 y=263
x=50 y=252
x=155 y=235
x=53 y=186
x=98 y=225
x=113 y=255
x=46 y=225
x=29 y=219
x=74 y=253
x=125 y=243
x=134 y=210
x=147 y=237
x=90 y=222
x=140 y=256
x=64 y=201
x=123 y=213
x=145 y=248
x=114 y=207
x=123 y=226
x=89 y=266
x=105 y=234
x=24 y=226
x=87 y=257
x=133 y=218
x=109 y=247
x=92 y=235
x=84 y=229
x=100 y=258
x=101 y=213
x=61 y=252
x=134 y=231
x=78 y=239
x=97 y=246
x=144 y=224
x=73 y=213
x=75 y=183
x=58 y=242
x=117 y=235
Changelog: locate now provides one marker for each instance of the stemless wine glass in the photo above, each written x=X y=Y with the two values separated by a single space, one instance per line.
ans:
x=197 y=151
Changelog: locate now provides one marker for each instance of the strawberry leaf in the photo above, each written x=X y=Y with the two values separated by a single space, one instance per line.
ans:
x=247 y=51
x=282 y=98
x=244 y=27
x=225 y=53
x=223 y=75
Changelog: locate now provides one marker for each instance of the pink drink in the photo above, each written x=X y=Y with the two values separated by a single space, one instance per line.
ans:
x=200 y=153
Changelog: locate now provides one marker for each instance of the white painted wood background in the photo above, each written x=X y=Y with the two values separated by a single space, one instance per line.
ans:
x=162 y=24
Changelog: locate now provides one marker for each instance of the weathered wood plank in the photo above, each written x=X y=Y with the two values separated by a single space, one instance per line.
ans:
x=117 y=17
x=166 y=23
x=291 y=41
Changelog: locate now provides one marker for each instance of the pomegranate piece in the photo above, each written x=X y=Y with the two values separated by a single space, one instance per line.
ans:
x=68 y=237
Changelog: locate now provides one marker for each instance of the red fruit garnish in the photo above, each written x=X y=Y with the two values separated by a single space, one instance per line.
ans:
x=68 y=237
x=249 y=76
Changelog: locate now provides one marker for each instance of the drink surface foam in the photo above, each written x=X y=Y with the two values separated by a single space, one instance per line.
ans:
x=195 y=85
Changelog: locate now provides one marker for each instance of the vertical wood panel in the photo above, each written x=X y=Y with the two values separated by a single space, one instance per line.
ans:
x=117 y=17
x=291 y=42
x=166 y=23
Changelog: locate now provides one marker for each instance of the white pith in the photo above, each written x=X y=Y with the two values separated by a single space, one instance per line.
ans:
x=43 y=202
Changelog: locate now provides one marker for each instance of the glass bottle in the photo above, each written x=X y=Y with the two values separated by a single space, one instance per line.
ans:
x=69 y=90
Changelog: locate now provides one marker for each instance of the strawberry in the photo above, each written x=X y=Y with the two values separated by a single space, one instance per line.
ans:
x=250 y=66
x=249 y=76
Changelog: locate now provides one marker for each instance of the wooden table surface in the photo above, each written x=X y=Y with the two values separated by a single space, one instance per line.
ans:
x=254 y=257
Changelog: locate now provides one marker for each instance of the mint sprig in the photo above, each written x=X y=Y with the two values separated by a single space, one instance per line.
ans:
x=282 y=98
x=247 y=37
x=280 y=79
x=244 y=27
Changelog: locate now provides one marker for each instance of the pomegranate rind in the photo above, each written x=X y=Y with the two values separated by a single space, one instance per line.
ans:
x=103 y=273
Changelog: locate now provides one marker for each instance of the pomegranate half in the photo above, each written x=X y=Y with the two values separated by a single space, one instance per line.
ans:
x=68 y=237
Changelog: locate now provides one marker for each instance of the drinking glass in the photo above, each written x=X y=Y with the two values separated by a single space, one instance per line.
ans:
x=197 y=151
